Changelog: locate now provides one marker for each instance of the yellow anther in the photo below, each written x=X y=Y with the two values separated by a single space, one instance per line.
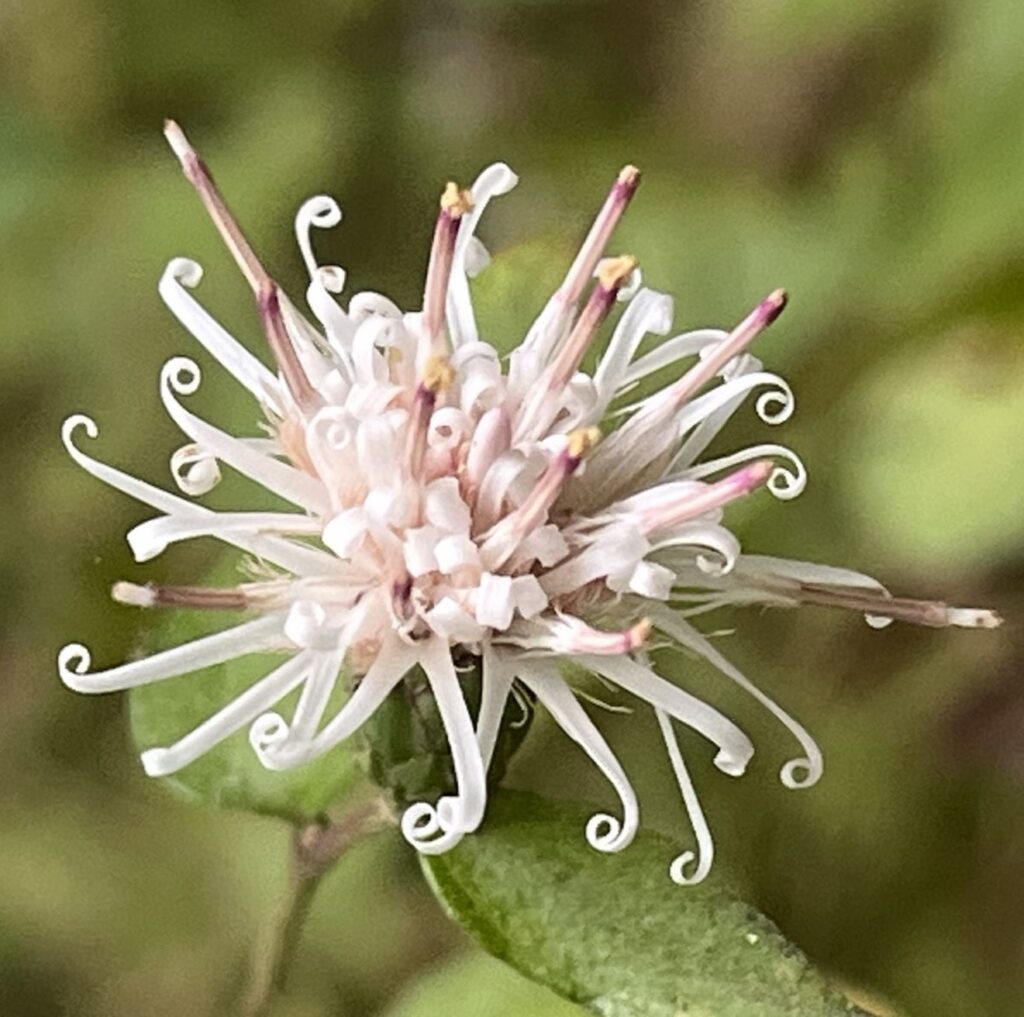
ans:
x=640 y=632
x=613 y=272
x=438 y=374
x=582 y=441
x=456 y=201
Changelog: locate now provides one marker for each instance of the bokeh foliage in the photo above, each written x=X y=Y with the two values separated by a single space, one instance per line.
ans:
x=865 y=155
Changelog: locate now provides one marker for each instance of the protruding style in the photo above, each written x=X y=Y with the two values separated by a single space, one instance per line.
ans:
x=455 y=203
x=263 y=286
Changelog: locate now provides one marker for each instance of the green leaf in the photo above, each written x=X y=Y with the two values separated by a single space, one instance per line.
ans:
x=613 y=932
x=230 y=775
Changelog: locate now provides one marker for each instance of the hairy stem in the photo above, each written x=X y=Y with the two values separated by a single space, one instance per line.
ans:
x=315 y=849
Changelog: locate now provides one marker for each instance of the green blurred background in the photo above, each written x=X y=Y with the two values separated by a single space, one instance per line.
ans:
x=868 y=156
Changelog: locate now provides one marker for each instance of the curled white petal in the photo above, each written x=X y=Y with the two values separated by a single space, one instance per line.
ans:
x=782 y=398
x=731 y=391
x=246 y=708
x=421 y=827
x=297 y=559
x=495 y=180
x=308 y=626
x=152 y=537
x=672 y=350
x=702 y=859
x=181 y=376
x=322 y=212
x=74 y=661
x=124 y=482
x=878 y=621
x=800 y=773
x=649 y=311
x=268 y=733
x=462 y=812
x=195 y=472
x=368 y=304
x=699 y=534
x=734 y=747
x=607 y=833
x=787 y=480
x=497 y=676
x=271 y=736
x=182 y=273
x=331 y=277
x=477 y=257
x=804 y=771
x=393 y=661
x=316 y=694
x=604 y=832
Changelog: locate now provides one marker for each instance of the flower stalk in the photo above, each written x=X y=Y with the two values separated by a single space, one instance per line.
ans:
x=314 y=850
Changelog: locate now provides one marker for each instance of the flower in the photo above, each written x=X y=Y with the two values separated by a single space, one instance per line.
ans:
x=443 y=503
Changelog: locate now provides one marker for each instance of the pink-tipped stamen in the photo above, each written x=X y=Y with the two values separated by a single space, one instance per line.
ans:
x=423 y=403
x=675 y=511
x=734 y=344
x=579 y=637
x=438 y=374
x=596 y=241
x=454 y=204
x=612 y=274
x=540 y=404
x=544 y=494
x=505 y=536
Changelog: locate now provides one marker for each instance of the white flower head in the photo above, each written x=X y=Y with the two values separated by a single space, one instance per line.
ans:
x=446 y=502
